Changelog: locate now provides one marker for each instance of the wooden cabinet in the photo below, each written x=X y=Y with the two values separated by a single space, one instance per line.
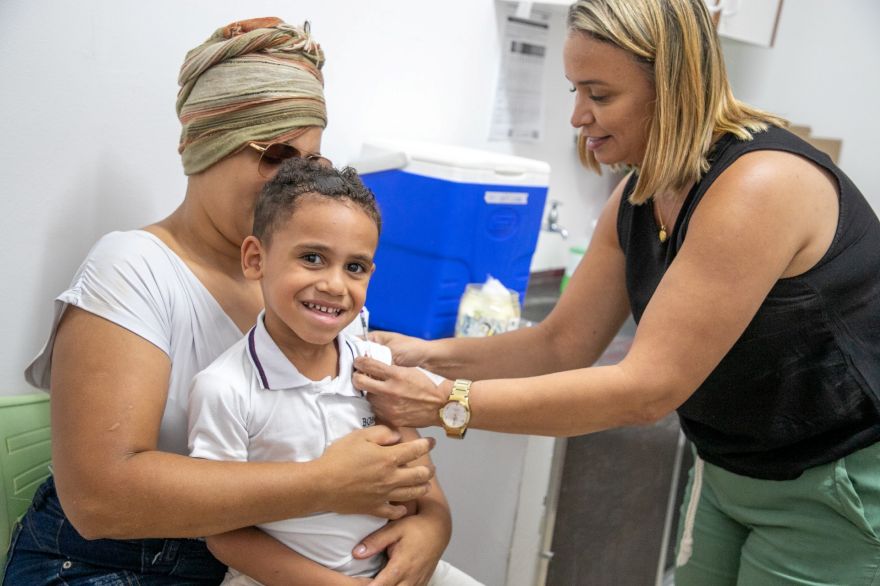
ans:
x=750 y=21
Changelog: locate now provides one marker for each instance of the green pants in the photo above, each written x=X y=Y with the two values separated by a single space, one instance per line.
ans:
x=819 y=529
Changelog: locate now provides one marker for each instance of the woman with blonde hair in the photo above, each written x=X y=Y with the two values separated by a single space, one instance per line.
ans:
x=751 y=265
x=150 y=308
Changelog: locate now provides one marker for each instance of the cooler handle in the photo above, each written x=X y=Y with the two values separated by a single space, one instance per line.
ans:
x=385 y=162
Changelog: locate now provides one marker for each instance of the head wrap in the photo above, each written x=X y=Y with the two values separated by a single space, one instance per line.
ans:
x=254 y=80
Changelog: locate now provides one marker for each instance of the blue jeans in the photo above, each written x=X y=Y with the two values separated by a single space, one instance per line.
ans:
x=47 y=550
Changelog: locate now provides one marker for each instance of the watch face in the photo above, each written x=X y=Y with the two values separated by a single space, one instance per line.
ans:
x=455 y=415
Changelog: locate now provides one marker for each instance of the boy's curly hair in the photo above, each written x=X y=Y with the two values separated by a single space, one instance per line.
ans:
x=297 y=177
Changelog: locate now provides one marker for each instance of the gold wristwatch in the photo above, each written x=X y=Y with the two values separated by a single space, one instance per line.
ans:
x=456 y=413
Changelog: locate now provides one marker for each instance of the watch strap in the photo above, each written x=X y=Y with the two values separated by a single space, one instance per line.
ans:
x=461 y=388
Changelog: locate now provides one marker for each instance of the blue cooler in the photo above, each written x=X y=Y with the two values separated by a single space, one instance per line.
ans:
x=450 y=216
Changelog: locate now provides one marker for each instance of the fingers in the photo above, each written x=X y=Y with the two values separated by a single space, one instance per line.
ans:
x=401 y=453
x=381 y=337
x=389 y=511
x=367 y=384
x=397 y=478
x=383 y=435
x=376 y=542
x=409 y=493
x=409 y=483
x=390 y=575
x=376 y=471
x=406 y=452
x=373 y=368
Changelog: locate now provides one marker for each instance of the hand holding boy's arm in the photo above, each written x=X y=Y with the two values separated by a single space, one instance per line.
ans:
x=415 y=543
x=270 y=562
x=370 y=472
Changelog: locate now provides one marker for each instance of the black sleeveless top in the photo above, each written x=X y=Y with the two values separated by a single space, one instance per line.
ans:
x=801 y=386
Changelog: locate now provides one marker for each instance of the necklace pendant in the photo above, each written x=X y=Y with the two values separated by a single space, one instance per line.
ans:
x=662 y=234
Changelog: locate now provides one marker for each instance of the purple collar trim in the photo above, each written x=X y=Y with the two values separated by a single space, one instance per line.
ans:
x=253 y=350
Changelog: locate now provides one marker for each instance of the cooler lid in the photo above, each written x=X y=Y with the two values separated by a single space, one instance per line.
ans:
x=400 y=153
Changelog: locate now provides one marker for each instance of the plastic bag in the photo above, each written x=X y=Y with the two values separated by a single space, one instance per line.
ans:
x=487 y=309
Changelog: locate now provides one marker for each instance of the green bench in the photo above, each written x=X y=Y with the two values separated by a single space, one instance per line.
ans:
x=25 y=455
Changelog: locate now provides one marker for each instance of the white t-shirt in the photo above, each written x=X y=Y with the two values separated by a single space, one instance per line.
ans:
x=252 y=404
x=135 y=281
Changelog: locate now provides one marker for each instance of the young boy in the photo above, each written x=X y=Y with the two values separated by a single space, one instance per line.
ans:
x=284 y=392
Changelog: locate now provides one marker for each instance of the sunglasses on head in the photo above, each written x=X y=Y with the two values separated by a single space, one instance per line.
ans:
x=272 y=155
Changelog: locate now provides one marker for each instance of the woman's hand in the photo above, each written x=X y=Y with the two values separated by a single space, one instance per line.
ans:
x=404 y=397
x=405 y=350
x=414 y=545
x=373 y=471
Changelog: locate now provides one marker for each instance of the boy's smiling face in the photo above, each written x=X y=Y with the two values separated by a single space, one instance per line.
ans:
x=314 y=272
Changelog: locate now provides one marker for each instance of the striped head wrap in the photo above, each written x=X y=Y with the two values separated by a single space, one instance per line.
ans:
x=253 y=80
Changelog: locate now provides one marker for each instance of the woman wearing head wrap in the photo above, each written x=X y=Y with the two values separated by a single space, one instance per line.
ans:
x=147 y=310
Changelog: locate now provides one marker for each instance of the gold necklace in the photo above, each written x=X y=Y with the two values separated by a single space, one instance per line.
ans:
x=676 y=197
x=662 y=235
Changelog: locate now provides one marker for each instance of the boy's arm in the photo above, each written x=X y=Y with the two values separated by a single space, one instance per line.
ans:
x=414 y=543
x=270 y=562
x=435 y=497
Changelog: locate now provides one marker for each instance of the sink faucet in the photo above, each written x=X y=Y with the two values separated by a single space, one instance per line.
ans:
x=553 y=220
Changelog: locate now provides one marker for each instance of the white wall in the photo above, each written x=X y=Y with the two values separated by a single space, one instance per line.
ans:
x=824 y=72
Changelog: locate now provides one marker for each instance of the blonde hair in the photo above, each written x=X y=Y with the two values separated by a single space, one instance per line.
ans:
x=676 y=42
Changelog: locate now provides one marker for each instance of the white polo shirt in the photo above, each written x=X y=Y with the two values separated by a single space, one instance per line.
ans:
x=252 y=404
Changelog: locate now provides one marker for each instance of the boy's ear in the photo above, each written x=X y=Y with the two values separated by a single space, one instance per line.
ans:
x=252 y=258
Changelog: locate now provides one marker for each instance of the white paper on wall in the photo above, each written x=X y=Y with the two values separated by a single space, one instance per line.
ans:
x=518 y=113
